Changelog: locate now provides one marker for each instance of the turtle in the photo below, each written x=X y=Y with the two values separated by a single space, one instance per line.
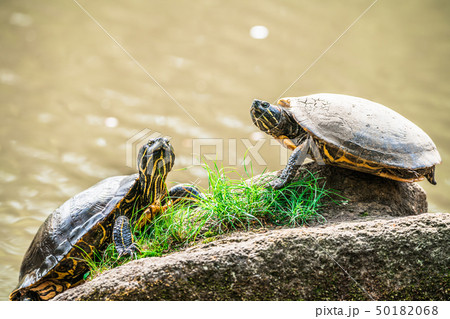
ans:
x=349 y=132
x=96 y=217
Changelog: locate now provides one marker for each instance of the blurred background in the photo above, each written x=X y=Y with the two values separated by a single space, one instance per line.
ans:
x=75 y=106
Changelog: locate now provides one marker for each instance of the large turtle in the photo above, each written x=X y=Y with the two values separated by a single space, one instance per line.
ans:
x=349 y=132
x=91 y=220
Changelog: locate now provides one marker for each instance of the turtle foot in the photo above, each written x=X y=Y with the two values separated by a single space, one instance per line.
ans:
x=130 y=251
x=277 y=183
x=123 y=238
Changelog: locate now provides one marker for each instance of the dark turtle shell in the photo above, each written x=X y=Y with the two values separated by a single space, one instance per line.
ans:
x=71 y=232
x=364 y=129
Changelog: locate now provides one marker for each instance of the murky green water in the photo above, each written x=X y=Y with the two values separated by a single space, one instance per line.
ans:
x=75 y=106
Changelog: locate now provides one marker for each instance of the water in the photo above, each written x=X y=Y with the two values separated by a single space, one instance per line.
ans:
x=75 y=106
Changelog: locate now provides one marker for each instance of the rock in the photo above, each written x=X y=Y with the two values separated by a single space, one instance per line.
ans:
x=405 y=258
x=377 y=245
x=365 y=195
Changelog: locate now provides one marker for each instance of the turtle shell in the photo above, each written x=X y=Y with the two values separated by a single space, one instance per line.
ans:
x=79 y=222
x=365 y=129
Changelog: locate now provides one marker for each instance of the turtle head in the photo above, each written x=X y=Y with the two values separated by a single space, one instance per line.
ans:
x=155 y=160
x=273 y=119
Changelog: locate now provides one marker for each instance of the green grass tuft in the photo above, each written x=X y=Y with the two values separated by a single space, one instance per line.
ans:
x=230 y=205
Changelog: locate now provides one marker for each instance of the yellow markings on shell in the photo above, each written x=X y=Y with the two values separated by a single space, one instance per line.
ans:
x=395 y=177
x=77 y=248
x=338 y=160
x=103 y=233
x=62 y=275
x=367 y=167
x=284 y=102
x=42 y=286
x=48 y=296
x=48 y=289
x=344 y=159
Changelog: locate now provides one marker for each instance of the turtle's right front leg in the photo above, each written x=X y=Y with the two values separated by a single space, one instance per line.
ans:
x=297 y=158
x=123 y=238
x=149 y=214
x=180 y=194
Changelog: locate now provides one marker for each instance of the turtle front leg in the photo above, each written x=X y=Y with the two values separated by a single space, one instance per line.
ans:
x=122 y=237
x=297 y=158
x=177 y=195
x=149 y=214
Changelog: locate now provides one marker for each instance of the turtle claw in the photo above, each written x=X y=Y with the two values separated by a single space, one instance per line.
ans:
x=276 y=184
x=130 y=251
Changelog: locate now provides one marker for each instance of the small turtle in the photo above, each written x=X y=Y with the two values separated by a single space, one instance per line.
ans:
x=91 y=220
x=349 y=132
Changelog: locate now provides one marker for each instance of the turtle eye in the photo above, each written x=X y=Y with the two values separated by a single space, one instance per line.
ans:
x=265 y=104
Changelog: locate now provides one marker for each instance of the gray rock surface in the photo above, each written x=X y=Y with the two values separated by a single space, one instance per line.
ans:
x=405 y=258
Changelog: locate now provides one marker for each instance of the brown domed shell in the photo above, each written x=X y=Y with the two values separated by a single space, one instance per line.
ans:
x=365 y=129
